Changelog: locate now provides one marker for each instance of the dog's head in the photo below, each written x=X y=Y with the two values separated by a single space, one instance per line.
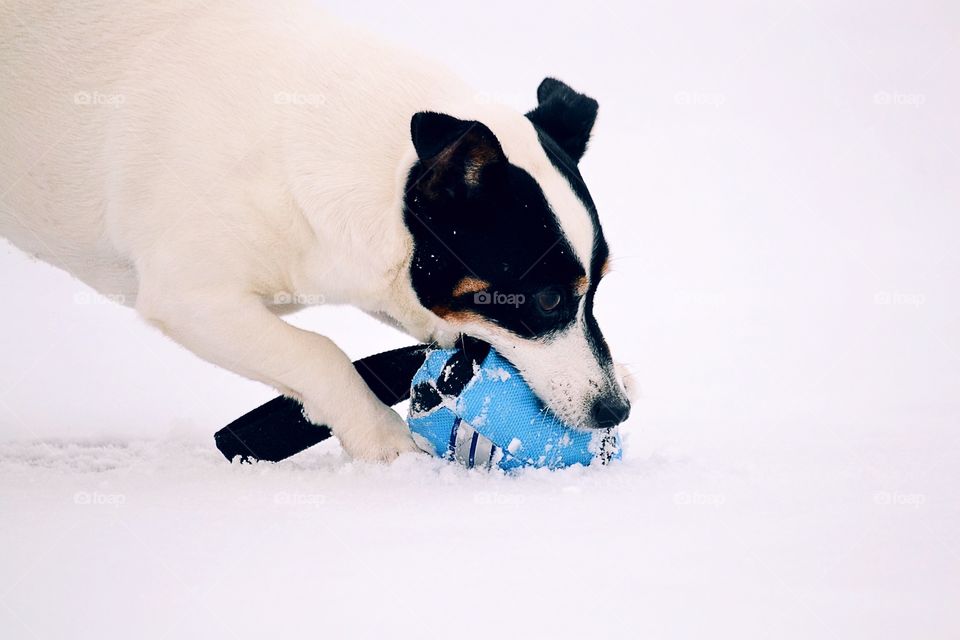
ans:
x=508 y=247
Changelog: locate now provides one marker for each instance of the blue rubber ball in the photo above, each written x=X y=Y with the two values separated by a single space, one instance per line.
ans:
x=484 y=415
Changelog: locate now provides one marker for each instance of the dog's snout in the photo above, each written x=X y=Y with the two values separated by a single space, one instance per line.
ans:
x=609 y=411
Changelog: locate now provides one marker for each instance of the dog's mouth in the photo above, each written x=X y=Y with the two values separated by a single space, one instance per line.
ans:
x=603 y=410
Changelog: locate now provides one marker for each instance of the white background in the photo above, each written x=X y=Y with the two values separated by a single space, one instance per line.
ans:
x=779 y=186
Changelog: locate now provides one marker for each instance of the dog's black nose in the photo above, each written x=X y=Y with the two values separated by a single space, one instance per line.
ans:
x=608 y=412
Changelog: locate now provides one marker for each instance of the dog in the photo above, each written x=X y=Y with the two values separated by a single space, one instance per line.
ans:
x=218 y=165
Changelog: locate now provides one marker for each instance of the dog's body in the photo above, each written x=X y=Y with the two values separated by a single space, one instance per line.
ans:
x=212 y=165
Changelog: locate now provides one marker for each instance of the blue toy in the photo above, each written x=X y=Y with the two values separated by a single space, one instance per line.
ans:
x=494 y=419
x=467 y=404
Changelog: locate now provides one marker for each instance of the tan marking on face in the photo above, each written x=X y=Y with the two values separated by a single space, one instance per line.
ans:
x=462 y=316
x=478 y=158
x=605 y=269
x=580 y=285
x=470 y=285
x=434 y=176
x=479 y=153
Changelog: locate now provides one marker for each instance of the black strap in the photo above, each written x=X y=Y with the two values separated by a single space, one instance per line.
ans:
x=278 y=429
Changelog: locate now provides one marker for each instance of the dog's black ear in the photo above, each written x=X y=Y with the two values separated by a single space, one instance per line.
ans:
x=433 y=132
x=564 y=115
x=453 y=153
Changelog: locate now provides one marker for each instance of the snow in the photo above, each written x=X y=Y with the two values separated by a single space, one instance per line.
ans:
x=782 y=209
x=499 y=373
x=793 y=540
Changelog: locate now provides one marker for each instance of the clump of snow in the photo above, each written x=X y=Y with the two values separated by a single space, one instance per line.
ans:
x=499 y=373
x=481 y=418
x=447 y=370
x=514 y=445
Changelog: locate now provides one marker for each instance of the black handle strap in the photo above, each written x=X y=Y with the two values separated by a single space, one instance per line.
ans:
x=278 y=429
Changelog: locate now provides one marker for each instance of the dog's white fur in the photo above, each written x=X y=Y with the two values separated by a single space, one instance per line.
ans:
x=207 y=162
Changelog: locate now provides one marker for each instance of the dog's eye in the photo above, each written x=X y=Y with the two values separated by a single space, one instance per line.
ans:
x=549 y=300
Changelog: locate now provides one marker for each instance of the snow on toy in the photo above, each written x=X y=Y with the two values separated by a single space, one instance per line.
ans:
x=468 y=404
x=481 y=413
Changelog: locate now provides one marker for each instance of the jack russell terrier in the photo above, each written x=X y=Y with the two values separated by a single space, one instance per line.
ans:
x=219 y=164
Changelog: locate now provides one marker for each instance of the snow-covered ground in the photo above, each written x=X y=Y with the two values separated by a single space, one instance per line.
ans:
x=779 y=185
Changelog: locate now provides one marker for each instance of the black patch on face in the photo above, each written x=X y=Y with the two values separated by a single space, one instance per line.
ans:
x=563 y=120
x=601 y=252
x=473 y=214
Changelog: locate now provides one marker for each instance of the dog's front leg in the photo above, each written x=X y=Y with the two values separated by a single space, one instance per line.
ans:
x=238 y=332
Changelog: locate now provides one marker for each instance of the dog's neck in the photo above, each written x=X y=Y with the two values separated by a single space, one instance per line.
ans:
x=361 y=215
x=400 y=304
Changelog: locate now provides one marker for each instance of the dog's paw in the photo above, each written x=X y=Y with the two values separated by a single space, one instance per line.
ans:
x=383 y=439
